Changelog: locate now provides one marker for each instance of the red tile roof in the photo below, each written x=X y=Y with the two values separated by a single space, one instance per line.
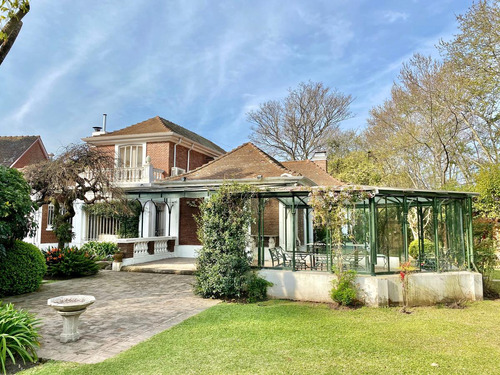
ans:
x=312 y=171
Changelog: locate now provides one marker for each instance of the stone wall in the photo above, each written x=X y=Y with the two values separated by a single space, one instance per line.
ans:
x=377 y=291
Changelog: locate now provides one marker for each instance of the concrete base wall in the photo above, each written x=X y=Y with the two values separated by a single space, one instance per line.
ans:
x=187 y=251
x=377 y=291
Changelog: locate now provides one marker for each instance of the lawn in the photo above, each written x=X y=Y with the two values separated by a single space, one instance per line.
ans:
x=281 y=337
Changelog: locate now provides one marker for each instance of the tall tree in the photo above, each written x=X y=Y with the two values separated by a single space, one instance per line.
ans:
x=416 y=132
x=11 y=15
x=300 y=124
x=80 y=172
x=474 y=54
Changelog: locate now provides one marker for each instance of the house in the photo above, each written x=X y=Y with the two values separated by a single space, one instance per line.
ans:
x=168 y=169
x=21 y=151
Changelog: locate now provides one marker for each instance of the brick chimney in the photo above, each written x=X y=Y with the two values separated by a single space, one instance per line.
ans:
x=319 y=158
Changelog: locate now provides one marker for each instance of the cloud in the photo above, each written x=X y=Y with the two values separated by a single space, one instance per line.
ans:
x=393 y=16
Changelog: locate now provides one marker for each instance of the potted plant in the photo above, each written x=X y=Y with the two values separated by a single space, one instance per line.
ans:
x=118 y=256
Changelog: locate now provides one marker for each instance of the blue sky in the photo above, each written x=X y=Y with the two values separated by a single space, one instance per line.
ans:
x=204 y=64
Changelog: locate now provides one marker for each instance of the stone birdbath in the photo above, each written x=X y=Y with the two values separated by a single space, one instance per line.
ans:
x=70 y=308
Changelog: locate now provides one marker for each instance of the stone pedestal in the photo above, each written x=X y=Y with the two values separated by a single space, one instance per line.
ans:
x=117 y=266
x=70 y=325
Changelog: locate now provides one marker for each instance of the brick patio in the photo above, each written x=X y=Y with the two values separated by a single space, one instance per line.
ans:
x=130 y=307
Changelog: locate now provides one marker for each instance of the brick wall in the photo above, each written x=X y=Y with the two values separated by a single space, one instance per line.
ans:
x=107 y=149
x=32 y=156
x=46 y=236
x=161 y=154
x=187 y=223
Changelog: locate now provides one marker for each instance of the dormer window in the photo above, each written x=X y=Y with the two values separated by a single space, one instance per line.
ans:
x=130 y=156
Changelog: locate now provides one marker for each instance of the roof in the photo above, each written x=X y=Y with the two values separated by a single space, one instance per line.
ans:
x=245 y=161
x=12 y=148
x=312 y=171
x=160 y=125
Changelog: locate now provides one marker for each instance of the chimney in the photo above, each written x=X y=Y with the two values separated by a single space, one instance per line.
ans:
x=99 y=130
x=319 y=158
x=104 y=116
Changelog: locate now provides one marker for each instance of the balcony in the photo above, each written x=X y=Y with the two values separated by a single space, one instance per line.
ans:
x=144 y=174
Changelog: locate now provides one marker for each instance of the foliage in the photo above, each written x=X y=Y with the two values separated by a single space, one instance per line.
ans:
x=80 y=172
x=21 y=269
x=127 y=212
x=256 y=288
x=406 y=270
x=428 y=248
x=330 y=211
x=100 y=250
x=344 y=289
x=301 y=123
x=488 y=186
x=11 y=14
x=357 y=167
x=18 y=335
x=16 y=208
x=485 y=257
x=69 y=262
x=473 y=53
x=222 y=263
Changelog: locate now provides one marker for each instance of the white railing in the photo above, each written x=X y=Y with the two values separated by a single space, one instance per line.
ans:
x=142 y=249
x=138 y=174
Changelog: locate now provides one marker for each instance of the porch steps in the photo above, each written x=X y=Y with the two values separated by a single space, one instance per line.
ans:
x=177 y=266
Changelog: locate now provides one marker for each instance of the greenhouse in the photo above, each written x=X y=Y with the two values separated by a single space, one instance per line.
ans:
x=432 y=230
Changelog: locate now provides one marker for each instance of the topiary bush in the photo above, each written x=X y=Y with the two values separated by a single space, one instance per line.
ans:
x=100 y=250
x=222 y=263
x=69 y=262
x=18 y=335
x=428 y=248
x=22 y=268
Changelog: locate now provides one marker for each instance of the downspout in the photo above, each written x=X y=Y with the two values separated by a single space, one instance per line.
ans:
x=189 y=155
x=175 y=152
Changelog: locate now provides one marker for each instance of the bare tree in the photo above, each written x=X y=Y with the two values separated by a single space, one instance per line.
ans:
x=11 y=15
x=301 y=123
x=80 y=172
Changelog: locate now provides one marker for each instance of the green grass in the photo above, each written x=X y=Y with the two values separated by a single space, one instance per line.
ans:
x=495 y=274
x=280 y=337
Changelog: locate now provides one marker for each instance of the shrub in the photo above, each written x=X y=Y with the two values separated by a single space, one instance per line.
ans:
x=428 y=248
x=344 y=290
x=16 y=208
x=18 y=335
x=22 y=269
x=69 y=262
x=485 y=257
x=100 y=250
x=256 y=288
x=222 y=263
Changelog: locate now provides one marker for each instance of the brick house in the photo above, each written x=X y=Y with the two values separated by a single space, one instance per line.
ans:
x=21 y=151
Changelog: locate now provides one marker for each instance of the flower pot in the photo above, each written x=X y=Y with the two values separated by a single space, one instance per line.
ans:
x=118 y=257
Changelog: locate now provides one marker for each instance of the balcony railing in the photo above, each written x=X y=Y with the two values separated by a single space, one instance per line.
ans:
x=144 y=174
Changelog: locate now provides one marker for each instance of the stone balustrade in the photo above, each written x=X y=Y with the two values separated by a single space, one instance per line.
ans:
x=147 y=249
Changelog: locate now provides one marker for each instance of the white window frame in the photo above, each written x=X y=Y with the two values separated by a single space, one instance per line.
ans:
x=119 y=146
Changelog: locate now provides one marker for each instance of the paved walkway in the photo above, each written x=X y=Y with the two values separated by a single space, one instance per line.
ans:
x=179 y=266
x=129 y=308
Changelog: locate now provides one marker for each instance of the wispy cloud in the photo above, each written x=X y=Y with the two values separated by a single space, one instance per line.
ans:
x=392 y=16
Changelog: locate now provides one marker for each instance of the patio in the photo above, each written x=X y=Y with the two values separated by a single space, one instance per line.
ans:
x=129 y=308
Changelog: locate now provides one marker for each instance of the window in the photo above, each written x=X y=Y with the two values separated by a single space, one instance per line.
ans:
x=50 y=216
x=130 y=156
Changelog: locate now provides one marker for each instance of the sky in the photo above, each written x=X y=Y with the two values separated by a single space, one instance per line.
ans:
x=204 y=64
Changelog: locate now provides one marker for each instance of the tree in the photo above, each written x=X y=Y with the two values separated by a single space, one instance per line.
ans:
x=475 y=56
x=488 y=186
x=11 y=15
x=417 y=132
x=222 y=264
x=300 y=124
x=16 y=208
x=80 y=172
